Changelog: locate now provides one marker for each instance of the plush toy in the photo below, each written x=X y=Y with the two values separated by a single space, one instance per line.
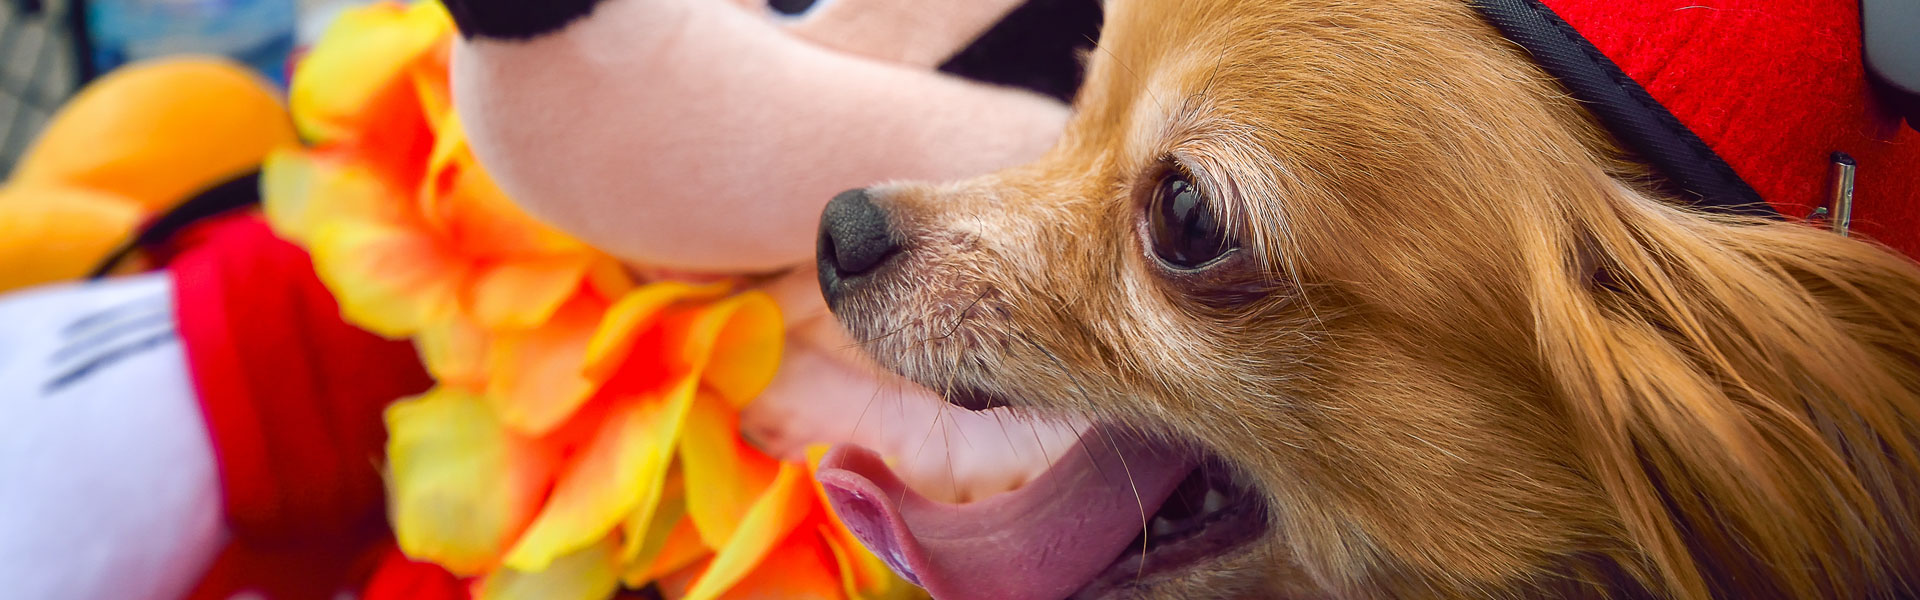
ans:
x=140 y=409
x=131 y=146
x=229 y=413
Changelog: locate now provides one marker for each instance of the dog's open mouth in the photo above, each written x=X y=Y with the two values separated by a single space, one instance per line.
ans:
x=1111 y=513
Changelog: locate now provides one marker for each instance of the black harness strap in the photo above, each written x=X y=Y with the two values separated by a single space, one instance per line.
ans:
x=1624 y=108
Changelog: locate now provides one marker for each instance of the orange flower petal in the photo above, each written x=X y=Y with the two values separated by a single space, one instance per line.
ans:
x=622 y=469
x=843 y=561
x=461 y=487
x=724 y=476
x=389 y=280
x=632 y=316
x=537 y=374
x=357 y=69
x=587 y=574
x=608 y=278
x=524 y=294
x=461 y=200
x=743 y=348
x=673 y=585
x=678 y=546
x=455 y=352
x=801 y=568
x=786 y=504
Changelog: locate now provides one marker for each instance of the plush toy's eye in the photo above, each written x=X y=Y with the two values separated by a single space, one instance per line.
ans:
x=1185 y=231
x=792 y=7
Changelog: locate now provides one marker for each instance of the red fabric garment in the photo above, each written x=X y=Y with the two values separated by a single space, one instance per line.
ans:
x=1774 y=87
x=400 y=578
x=292 y=398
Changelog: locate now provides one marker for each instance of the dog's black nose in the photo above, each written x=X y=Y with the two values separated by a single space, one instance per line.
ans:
x=854 y=239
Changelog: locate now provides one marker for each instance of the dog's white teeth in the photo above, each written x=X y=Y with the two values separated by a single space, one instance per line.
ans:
x=1214 y=502
x=1160 y=527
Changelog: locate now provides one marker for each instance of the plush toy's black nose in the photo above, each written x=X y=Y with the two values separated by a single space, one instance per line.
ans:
x=854 y=240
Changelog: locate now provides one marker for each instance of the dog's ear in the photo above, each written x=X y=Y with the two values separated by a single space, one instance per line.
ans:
x=1746 y=392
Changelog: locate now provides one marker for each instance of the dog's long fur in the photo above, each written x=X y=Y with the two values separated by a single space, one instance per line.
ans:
x=1466 y=351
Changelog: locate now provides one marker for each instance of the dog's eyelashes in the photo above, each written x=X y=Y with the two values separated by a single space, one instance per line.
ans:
x=1181 y=223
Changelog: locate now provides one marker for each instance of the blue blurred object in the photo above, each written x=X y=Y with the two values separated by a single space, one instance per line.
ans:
x=259 y=33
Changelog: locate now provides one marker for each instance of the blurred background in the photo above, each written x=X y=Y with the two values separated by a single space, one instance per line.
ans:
x=49 y=48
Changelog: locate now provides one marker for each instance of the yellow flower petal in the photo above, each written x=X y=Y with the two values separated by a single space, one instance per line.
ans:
x=455 y=352
x=302 y=190
x=461 y=486
x=650 y=537
x=631 y=317
x=724 y=476
x=523 y=294
x=431 y=86
x=388 y=279
x=621 y=469
x=588 y=574
x=743 y=349
x=537 y=379
x=357 y=69
x=786 y=503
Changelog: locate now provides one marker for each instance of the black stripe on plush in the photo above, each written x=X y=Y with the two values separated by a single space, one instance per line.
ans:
x=1037 y=46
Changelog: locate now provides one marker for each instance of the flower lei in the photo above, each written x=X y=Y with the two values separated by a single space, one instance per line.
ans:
x=582 y=434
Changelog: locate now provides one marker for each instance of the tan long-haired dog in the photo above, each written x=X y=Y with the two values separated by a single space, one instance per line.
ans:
x=1368 y=307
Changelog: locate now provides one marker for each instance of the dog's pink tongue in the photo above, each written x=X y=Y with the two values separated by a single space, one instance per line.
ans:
x=1041 y=541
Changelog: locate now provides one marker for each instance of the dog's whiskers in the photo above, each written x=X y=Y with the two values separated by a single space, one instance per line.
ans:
x=1081 y=389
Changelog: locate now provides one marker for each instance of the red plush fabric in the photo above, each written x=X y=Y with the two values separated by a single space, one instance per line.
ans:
x=292 y=398
x=293 y=395
x=324 y=569
x=400 y=578
x=1774 y=86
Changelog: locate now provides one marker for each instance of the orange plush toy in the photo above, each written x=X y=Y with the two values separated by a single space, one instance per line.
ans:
x=138 y=142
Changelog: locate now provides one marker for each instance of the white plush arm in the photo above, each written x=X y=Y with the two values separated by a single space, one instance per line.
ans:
x=108 y=485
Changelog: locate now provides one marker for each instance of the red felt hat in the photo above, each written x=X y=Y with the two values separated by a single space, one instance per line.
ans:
x=1774 y=87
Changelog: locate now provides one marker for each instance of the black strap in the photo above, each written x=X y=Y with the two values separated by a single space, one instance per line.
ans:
x=1624 y=108
x=237 y=193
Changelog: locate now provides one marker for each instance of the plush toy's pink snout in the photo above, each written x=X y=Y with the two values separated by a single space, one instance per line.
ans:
x=699 y=135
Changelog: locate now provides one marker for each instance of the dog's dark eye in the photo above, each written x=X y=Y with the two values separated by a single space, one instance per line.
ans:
x=1181 y=222
x=791 y=7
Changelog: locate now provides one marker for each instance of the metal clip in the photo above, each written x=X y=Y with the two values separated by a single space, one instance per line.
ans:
x=1838 y=209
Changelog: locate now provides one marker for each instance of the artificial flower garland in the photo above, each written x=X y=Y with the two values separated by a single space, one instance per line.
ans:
x=582 y=436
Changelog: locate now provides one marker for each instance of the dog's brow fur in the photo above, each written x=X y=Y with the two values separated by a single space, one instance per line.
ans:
x=1481 y=357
